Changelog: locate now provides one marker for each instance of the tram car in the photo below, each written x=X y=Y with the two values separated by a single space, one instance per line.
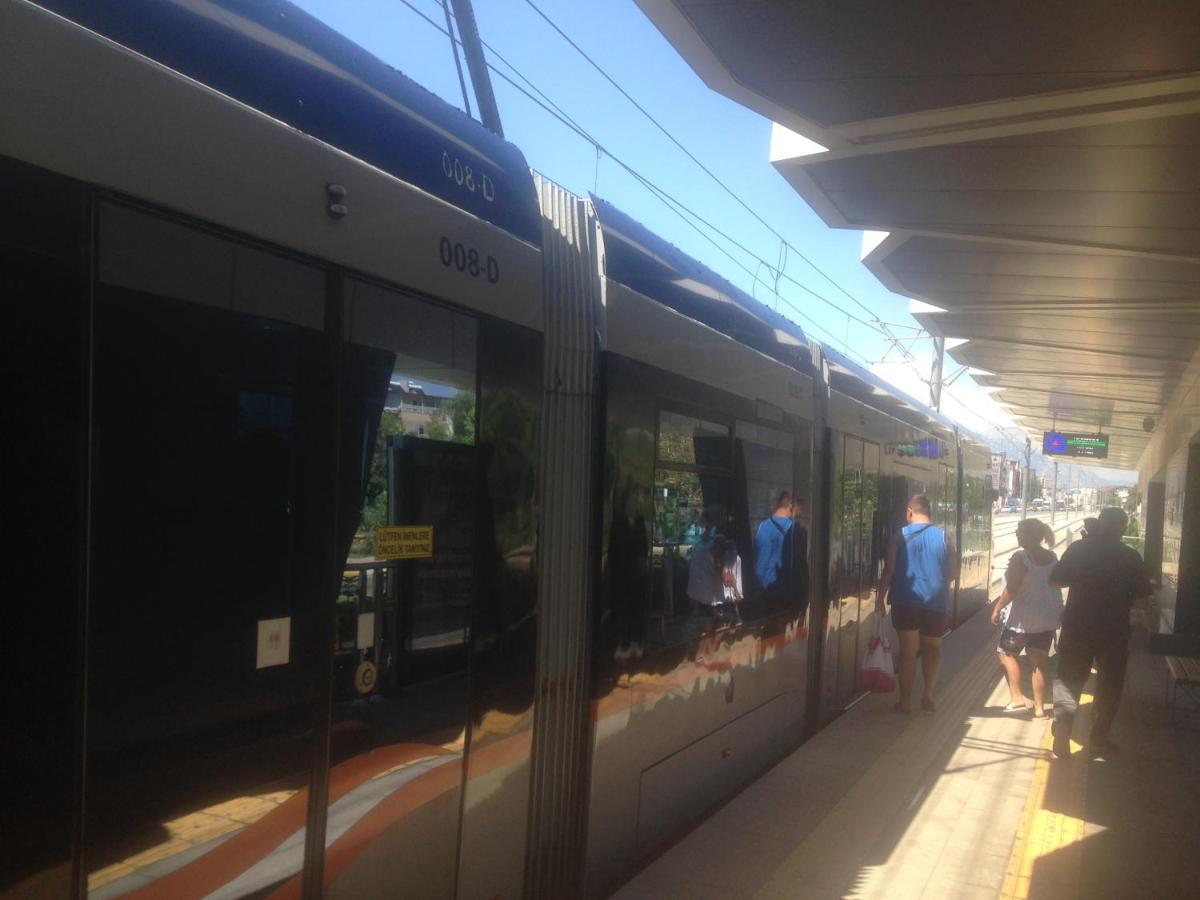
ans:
x=365 y=483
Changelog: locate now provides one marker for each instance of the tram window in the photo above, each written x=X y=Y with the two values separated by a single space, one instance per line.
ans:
x=778 y=549
x=691 y=441
x=400 y=350
x=165 y=259
x=714 y=487
x=403 y=624
x=694 y=512
x=209 y=546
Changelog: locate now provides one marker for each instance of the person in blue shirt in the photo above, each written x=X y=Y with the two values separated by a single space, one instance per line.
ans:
x=920 y=564
x=773 y=552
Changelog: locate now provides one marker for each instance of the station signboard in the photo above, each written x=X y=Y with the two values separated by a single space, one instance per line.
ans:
x=1069 y=443
x=997 y=470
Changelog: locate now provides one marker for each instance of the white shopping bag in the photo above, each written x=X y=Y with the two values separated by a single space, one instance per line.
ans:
x=878 y=673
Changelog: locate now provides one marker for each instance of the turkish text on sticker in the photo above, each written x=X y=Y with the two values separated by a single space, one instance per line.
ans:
x=404 y=542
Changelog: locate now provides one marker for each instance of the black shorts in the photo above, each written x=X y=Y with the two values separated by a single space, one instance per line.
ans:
x=930 y=622
x=1013 y=642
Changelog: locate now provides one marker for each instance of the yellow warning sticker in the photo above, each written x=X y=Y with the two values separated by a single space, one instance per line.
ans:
x=404 y=541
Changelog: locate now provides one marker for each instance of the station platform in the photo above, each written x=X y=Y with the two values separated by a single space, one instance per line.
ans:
x=965 y=803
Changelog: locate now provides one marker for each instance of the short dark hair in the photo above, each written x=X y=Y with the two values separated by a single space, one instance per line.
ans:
x=785 y=499
x=1113 y=521
x=920 y=504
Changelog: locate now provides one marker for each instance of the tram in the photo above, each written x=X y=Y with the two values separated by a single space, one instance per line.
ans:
x=359 y=477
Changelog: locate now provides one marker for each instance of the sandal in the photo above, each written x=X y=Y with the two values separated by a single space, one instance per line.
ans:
x=1015 y=707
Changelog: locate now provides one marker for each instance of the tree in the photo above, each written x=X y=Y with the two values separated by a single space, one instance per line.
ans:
x=375 y=497
x=438 y=428
x=461 y=410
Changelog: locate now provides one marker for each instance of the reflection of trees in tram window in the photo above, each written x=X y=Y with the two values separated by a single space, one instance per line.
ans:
x=508 y=432
x=691 y=441
x=977 y=533
x=678 y=504
x=454 y=422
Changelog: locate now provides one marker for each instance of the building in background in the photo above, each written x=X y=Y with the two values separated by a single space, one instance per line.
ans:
x=422 y=406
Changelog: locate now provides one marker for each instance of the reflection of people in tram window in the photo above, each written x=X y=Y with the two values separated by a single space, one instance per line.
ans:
x=773 y=552
x=715 y=573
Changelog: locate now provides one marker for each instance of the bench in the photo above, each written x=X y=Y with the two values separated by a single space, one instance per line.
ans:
x=1182 y=655
x=1182 y=674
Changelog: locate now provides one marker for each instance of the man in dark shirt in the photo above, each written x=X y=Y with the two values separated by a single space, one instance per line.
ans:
x=1105 y=578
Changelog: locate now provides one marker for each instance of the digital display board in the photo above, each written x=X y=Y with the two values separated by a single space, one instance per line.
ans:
x=928 y=448
x=1067 y=443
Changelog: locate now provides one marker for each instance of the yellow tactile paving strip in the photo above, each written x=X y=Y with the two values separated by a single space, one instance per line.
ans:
x=1043 y=832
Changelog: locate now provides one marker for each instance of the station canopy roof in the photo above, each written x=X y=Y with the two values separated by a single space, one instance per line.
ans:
x=1028 y=173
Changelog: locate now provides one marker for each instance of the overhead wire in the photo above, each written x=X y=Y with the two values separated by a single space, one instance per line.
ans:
x=568 y=120
x=672 y=203
x=883 y=327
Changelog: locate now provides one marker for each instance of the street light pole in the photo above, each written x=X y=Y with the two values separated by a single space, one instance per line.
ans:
x=1054 y=494
x=1025 y=486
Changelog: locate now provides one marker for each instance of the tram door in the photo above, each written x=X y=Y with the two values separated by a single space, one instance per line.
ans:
x=871 y=549
x=856 y=532
x=851 y=568
x=211 y=559
x=831 y=638
x=405 y=609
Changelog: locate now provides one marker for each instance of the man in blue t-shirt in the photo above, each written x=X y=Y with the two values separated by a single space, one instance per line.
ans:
x=773 y=552
x=920 y=564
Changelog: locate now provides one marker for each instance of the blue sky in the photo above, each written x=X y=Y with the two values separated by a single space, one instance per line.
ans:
x=729 y=139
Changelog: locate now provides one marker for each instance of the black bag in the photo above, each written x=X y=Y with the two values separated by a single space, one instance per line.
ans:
x=1012 y=642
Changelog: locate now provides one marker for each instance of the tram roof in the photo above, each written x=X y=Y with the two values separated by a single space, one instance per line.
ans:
x=1028 y=172
x=278 y=59
x=639 y=259
x=851 y=379
x=645 y=262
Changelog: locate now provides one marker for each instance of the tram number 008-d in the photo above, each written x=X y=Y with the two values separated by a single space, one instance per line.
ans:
x=465 y=176
x=468 y=260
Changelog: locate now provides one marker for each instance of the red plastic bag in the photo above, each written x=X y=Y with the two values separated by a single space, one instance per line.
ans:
x=878 y=673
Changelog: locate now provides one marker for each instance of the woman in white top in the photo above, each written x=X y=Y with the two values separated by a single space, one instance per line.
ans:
x=715 y=574
x=1031 y=609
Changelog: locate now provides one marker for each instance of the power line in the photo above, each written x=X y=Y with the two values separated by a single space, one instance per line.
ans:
x=673 y=203
x=883 y=327
x=566 y=119
x=681 y=210
x=775 y=290
x=624 y=93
